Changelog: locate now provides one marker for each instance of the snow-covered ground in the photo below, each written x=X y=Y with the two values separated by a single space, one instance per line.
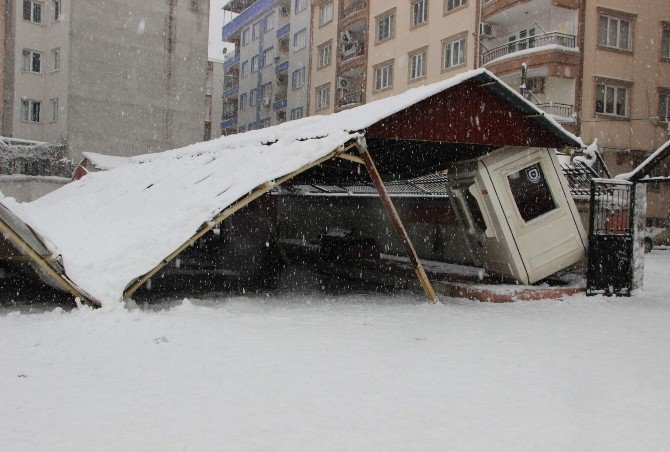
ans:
x=356 y=372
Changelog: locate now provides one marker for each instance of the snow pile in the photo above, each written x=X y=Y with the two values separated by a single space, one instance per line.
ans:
x=112 y=227
x=358 y=372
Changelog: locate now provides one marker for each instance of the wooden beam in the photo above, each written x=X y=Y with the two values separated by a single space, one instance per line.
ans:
x=230 y=210
x=351 y=158
x=395 y=219
x=43 y=265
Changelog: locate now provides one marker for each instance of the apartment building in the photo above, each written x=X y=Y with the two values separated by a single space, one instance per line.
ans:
x=601 y=67
x=266 y=76
x=367 y=50
x=213 y=101
x=122 y=77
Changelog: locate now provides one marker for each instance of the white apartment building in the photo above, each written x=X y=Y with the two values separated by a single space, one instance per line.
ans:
x=266 y=75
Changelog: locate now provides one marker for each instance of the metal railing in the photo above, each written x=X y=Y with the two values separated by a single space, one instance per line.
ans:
x=556 y=109
x=353 y=7
x=553 y=38
x=356 y=52
x=350 y=99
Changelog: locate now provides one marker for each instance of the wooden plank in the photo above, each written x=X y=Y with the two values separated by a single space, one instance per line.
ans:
x=395 y=219
x=43 y=264
x=351 y=158
x=241 y=203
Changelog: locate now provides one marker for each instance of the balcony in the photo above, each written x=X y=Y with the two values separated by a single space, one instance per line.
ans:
x=228 y=123
x=351 y=50
x=556 y=109
x=231 y=59
x=283 y=31
x=230 y=92
x=247 y=10
x=350 y=99
x=281 y=67
x=352 y=7
x=280 y=104
x=530 y=45
x=496 y=8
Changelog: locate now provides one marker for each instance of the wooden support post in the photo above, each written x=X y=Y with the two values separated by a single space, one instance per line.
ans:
x=43 y=264
x=395 y=219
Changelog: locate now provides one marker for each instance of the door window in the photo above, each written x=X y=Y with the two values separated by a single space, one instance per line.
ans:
x=531 y=192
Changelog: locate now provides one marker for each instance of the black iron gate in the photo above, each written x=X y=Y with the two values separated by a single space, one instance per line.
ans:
x=611 y=238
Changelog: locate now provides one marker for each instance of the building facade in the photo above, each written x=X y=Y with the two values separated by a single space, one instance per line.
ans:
x=120 y=78
x=601 y=67
x=213 y=101
x=266 y=76
x=373 y=49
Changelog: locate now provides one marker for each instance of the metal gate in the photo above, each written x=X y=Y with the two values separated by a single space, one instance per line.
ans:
x=611 y=238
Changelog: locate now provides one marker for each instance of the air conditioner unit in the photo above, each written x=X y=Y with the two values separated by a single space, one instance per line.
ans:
x=284 y=10
x=342 y=83
x=281 y=77
x=486 y=30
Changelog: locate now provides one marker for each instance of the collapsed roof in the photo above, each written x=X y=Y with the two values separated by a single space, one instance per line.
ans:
x=110 y=229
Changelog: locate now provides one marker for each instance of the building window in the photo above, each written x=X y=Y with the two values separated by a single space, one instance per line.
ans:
x=268 y=56
x=245 y=36
x=255 y=30
x=32 y=11
x=253 y=97
x=244 y=70
x=417 y=65
x=664 y=106
x=453 y=4
x=325 y=52
x=325 y=13
x=611 y=100
x=665 y=43
x=531 y=192
x=386 y=26
x=32 y=61
x=298 y=78
x=55 y=53
x=454 y=53
x=297 y=113
x=323 y=96
x=526 y=40
x=254 y=64
x=419 y=12
x=54 y=109
x=614 y=32
x=300 y=40
x=266 y=91
x=384 y=75
x=243 y=101
x=270 y=21
x=57 y=10
x=30 y=110
x=300 y=5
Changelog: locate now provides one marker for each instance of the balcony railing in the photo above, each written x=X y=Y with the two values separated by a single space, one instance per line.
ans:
x=228 y=123
x=350 y=99
x=353 y=7
x=554 y=38
x=279 y=104
x=357 y=49
x=556 y=109
x=232 y=91
x=230 y=59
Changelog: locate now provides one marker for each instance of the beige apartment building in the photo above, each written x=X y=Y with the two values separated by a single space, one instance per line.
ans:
x=122 y=77
x=367 y=50
x=601 y=67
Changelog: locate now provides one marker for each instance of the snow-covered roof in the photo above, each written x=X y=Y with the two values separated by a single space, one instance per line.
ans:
x=110 y=228
x=648 y=165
